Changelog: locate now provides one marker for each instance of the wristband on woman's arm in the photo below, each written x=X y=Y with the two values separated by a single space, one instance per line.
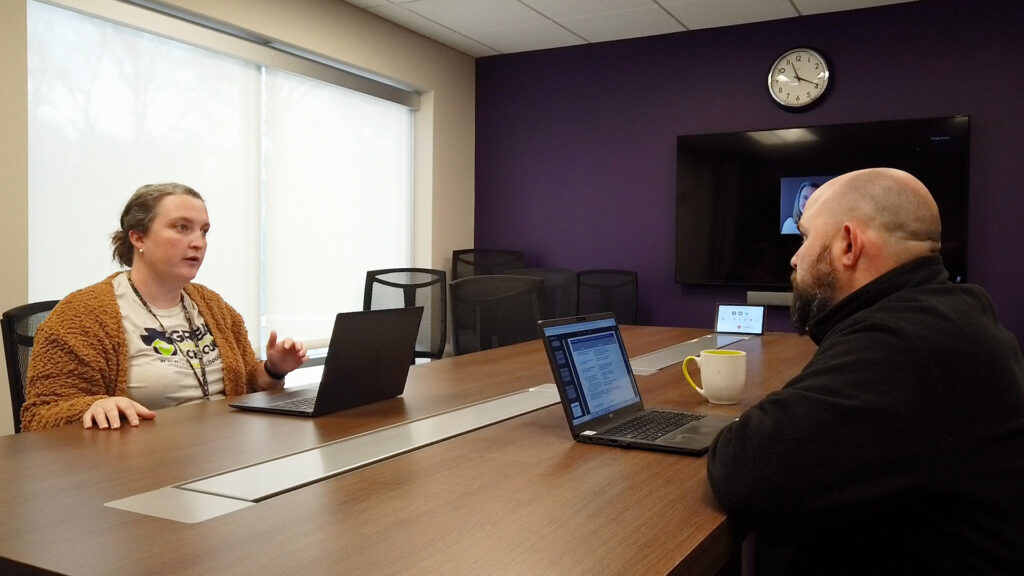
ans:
x=271 y=373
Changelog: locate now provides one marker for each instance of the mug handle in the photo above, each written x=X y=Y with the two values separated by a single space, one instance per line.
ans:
x=687 y=374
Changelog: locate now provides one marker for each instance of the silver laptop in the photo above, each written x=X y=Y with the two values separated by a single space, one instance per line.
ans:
x=600 y=397
x=368 y=361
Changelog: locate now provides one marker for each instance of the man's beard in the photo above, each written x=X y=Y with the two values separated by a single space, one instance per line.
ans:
x=812 y=300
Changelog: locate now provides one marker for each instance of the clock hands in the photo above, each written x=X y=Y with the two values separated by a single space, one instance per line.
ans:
x=796 y=79
x=800 y=79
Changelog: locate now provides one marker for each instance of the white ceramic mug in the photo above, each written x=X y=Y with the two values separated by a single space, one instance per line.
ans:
x=722 y=375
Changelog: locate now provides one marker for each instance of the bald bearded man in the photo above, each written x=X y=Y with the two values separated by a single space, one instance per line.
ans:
x=899 y=449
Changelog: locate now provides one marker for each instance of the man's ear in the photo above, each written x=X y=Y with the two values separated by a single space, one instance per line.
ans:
x=853 y=238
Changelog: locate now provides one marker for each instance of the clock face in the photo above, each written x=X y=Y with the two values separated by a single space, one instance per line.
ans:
x=798 y=78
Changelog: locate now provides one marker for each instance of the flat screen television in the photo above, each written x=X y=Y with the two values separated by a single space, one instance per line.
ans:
x=737 y=193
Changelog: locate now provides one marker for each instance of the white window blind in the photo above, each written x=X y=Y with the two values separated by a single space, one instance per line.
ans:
x=112 y=108
x=339 y=201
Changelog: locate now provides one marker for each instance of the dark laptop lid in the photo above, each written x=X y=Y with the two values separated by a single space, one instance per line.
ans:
x=368 y=358
x=591 y=370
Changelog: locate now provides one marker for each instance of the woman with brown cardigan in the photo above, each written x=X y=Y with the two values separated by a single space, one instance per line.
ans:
x=147 y=338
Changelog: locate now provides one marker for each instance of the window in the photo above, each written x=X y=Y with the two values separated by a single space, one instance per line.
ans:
x=307 y=184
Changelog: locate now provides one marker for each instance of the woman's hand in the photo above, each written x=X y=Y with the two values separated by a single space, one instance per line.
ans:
x=106 y=413
x=283 y=357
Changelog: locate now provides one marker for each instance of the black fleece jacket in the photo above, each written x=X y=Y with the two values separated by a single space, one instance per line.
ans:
x=900 y=446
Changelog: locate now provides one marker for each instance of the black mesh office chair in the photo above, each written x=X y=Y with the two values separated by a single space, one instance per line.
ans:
x=18 y=326
x=494 y=310
x=478 y=262
x=560 y=290
x=407 y=287
x=608 y=291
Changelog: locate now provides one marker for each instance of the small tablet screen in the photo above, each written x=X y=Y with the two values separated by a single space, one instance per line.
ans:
x=740 y=319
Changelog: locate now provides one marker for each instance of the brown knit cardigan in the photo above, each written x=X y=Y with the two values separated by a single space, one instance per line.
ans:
x=80 y=353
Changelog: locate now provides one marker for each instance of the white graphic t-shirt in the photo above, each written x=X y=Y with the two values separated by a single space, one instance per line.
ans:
x=158 y=375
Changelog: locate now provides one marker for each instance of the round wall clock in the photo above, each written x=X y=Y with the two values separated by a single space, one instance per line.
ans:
x=798 y=79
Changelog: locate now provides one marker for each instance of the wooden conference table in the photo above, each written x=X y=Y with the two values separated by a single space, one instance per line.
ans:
x=518 y=497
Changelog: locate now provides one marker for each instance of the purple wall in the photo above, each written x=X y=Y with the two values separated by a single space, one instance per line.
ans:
x=575 y=158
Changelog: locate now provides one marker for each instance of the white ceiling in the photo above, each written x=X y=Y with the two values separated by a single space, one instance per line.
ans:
x=488 y=27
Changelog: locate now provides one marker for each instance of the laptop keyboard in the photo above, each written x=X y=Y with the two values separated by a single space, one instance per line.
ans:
x=652 y=424
x=304 y=404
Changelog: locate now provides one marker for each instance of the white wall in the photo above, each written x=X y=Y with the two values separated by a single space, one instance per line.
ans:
x=445 y=130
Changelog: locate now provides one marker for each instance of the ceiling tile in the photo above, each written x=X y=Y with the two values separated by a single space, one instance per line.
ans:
x=485 y=27
x=536 y=36
x=564 y=9
x=624 y=24
x=476 y=15
x=711 y=13
x=421 y=25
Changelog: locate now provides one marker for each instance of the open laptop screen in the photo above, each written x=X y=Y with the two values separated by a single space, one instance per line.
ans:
x=591 y=366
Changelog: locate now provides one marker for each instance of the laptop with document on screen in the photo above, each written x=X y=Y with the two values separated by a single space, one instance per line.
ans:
x=599 y=394
x=368 y=360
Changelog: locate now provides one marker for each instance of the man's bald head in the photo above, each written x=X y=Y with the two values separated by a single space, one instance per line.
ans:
x=890 y=203
x=856 y=228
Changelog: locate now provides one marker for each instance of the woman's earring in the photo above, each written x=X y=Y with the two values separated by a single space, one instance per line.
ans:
x=140 y=250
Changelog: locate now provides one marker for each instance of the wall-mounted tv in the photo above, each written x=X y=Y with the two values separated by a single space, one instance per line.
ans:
x=738 y=193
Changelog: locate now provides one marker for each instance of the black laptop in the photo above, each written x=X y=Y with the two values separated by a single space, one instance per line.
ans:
x=600 y=397
x=368 y=360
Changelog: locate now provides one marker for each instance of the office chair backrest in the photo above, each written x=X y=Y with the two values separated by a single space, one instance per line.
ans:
x=608 y=291
x=19 y=326
x=407 y=287
x=480 y=262
x=495 y=310
x=560 y=290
